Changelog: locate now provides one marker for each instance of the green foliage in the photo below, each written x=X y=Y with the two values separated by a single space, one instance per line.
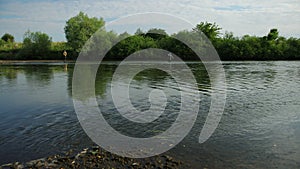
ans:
x=8 y=37
x=269 y=47
x=8 y=48
x=99 y=44
x=130 y=45
x=273 y=34
x=139 y=32
x=2 y=42
x=156 y=34
x=80 y=28
x=291 y=51
x=59 y=46
x=181 y=49
x=124 y=35
x=36 y=45
x=154 y=38
x=211 y=30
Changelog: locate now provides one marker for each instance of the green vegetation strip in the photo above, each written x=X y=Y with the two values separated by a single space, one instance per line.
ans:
x=78 y=29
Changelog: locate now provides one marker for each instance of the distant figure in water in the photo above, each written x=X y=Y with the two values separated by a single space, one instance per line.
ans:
x=65 y=55
x=170 y=57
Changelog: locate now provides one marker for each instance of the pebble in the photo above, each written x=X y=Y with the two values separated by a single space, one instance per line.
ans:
x=96 y=157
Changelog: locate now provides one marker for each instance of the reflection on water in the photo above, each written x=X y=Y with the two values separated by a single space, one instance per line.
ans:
x=260 y=127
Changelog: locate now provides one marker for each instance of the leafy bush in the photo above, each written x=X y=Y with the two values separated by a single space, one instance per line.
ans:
x=8 y=37
x=36 y=45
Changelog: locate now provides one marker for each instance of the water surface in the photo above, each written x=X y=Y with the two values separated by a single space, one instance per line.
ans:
x=260 y=127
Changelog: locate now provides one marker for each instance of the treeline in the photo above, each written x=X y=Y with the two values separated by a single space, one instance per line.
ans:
x=78 y=29
x=270 y=47
x=36 y=45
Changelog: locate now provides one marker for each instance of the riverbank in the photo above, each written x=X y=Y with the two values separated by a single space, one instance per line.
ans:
x=96 y=157
x=34 y=61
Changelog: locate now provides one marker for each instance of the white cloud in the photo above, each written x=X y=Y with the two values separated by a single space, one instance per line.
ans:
x=253 y=17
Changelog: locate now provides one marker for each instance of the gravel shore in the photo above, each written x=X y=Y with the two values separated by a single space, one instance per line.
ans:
x=96 y=157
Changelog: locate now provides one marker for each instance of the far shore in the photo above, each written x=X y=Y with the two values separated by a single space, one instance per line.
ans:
x=73 y=61
x=35 y=61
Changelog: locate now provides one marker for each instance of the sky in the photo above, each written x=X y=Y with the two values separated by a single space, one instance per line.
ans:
x=252 y=17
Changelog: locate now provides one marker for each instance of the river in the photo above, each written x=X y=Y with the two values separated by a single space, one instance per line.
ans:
x=260 y=126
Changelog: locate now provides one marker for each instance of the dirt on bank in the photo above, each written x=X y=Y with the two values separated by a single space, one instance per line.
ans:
x=96 y=157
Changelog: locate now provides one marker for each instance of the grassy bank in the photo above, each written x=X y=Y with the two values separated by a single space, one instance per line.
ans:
x=15 y=51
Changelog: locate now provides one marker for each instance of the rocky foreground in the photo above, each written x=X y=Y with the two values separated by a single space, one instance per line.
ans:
x=96 y=157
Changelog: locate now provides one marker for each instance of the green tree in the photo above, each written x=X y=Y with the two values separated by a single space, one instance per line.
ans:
x=192 y=38
x=36 y=45
x=227 y=47
x=2 y=42
x=211 y=30
x=80 y=28
x=8 y=37
x=273 y=34
x=130 y=45
x=292 y=49
x=270 y=49
x=139 y=31
x=124 y=35
x=99 y=43
x=156 y=34
x=248 y=47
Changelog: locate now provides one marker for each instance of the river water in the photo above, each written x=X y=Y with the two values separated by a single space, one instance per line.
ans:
x=260 y=126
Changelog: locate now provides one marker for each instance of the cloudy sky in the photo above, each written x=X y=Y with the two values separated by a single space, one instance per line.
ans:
x=254 y=17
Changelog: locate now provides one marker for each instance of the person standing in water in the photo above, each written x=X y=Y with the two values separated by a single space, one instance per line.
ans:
x=65 y=54
x=170 y=57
